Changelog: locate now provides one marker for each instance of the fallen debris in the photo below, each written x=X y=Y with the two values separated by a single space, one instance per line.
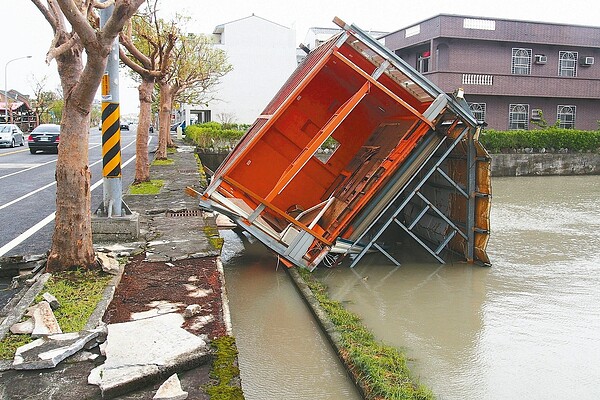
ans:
x=131 y=357
x=192 y=310
x=171 y=390
x=54 y=304
x=48 y=351
x=44 y=321
x=22 y=328
x=109 y=264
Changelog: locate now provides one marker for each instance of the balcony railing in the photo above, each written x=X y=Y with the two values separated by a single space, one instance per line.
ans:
x=477 y=79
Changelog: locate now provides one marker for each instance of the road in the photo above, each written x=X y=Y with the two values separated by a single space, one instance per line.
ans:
x=28 y=192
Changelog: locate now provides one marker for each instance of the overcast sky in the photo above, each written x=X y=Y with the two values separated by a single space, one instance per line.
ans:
x=30 y=34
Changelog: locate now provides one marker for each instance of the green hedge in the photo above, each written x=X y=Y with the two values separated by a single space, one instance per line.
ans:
x=215 y=135
x=551 y=139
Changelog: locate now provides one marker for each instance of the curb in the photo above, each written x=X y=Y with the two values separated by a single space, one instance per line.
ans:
x=224 y=299
x=326 y=325
x=109 y=291
x=19 y=310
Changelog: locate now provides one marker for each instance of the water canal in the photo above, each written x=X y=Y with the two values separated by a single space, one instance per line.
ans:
x=528 y=327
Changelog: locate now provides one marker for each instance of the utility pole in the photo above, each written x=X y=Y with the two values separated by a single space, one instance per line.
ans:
x=111 y=130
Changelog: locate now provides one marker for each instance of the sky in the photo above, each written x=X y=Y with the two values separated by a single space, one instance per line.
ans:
x=30 y=33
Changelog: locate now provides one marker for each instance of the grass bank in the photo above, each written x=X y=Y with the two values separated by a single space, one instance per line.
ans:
x=380 y=370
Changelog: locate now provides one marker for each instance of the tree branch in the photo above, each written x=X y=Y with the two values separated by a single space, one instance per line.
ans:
x=46 y=13
x=56 y=51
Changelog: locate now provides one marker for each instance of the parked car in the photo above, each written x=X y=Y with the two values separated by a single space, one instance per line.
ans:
x=11 y=135
x=44 y=137
x=124 y=126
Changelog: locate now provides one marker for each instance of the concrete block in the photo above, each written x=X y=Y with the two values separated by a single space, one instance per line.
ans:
x=54 y=304
x=114 y=229
x=171 y=390
x=44 y=321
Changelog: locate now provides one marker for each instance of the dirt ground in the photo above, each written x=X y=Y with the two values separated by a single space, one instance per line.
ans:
x=145 y=286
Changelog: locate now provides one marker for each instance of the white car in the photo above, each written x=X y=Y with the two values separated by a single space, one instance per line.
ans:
x=11 y=135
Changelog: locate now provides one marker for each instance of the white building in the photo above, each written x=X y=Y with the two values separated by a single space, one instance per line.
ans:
x=263 y=56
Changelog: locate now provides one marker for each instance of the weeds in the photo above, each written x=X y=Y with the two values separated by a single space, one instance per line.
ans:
x=224 y=371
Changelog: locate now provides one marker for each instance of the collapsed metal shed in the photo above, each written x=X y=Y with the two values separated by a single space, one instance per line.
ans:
x=406 y=157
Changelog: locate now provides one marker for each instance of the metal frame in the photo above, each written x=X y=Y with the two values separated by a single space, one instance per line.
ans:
x=385 y=220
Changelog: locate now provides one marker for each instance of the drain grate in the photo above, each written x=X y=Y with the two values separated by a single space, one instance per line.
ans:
x=183 y=213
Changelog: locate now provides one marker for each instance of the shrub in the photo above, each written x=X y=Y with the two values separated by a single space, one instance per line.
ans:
x=213 y=135
x=551 y=138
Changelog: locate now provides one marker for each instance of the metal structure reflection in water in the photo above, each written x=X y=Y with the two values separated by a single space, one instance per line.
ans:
x=407 y=157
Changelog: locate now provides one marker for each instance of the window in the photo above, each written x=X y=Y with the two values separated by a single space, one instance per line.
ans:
x=566 y=116
x=518 y=116
x=478 y=110
x=423 y=61
x=521 y=61
x=567 y=63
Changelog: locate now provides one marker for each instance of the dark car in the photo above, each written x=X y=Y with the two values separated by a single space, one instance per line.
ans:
x=44 y=137
x=124 y=126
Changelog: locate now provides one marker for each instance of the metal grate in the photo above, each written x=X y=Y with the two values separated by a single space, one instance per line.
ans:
x=183 y=213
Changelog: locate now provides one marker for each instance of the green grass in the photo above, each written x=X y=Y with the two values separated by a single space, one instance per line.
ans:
x=224 y=371
x=160 y=161
x=151 y=187
x=381 y=369
x=78 y=293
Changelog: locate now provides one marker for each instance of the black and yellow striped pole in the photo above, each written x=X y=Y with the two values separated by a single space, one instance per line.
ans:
x=111 y=130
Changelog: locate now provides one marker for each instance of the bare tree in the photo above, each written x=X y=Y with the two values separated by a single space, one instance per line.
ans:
x=147 y=44
x=76 y=30
x=197 y=67
x=43 y=99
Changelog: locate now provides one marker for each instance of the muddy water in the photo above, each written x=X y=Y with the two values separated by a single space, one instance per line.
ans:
x=526 y=328
x=282 y=353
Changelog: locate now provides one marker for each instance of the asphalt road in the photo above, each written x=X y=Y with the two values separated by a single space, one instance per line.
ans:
x=28 y=192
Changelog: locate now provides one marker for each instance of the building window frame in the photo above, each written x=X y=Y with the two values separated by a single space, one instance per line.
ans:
x=565 y=115
x=423 y=60
x=478 y=111
x=521 y=61
x=518 y=116
x=567 y=63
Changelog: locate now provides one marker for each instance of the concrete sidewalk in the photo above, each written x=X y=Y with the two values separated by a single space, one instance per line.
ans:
x=150 y=334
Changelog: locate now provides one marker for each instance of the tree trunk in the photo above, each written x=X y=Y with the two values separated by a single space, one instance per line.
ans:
x=142 y=165
x=164 y=116
x=72 y=240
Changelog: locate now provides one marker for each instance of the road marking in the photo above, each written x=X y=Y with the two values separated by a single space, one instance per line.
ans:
x=13 y=152
x=31 y=231
x=38 y=165
x=15 y=165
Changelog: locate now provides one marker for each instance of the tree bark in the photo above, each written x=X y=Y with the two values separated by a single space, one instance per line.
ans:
x=72 y=239
x=142 y=164
x=164 y=116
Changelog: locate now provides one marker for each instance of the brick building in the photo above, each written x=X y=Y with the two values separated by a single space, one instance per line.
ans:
x=514 y=73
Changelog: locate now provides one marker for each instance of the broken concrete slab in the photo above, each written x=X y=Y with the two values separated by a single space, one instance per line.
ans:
x=48 y=351
x=23 y=328
x=53 y=301
x=109 y=264
x=133 y=359
x=171 y=390
x=17 y=310
x=44 y=321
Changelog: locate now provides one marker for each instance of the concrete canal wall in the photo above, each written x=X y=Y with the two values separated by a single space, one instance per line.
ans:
x=545 y=164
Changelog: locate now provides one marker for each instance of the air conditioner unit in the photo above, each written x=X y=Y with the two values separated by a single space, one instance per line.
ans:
x=541 y=59
x=587 y=61
x=536 y=114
